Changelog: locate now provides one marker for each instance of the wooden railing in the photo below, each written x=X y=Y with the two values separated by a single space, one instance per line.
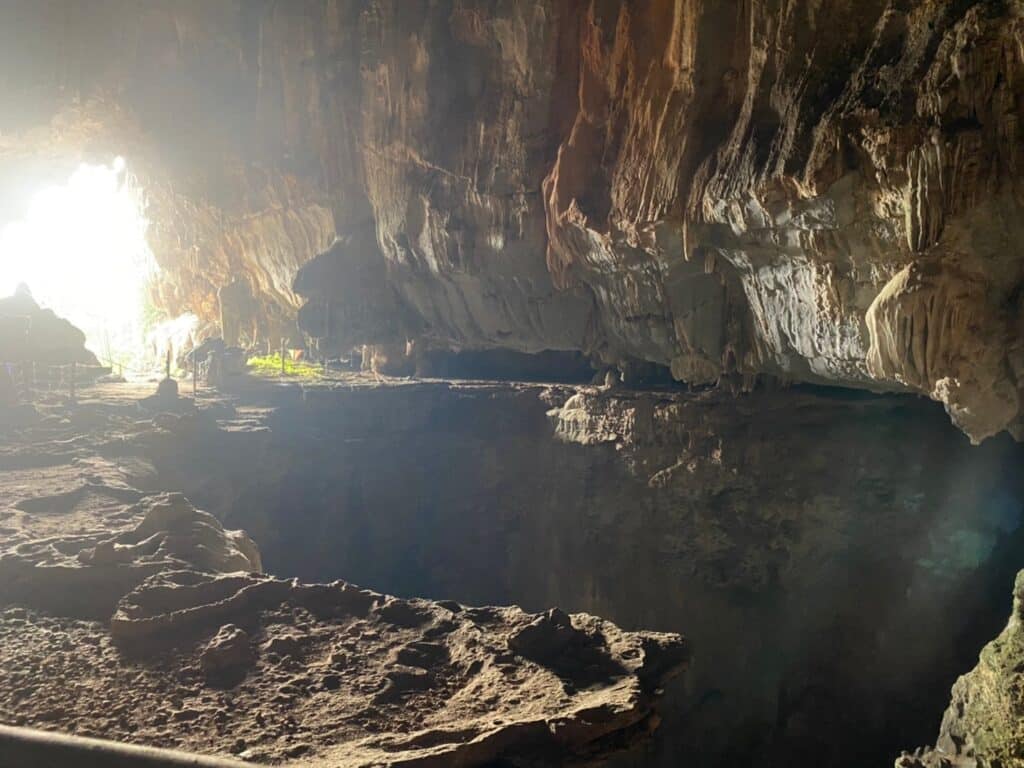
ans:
x=30 y=748
x=32 y=379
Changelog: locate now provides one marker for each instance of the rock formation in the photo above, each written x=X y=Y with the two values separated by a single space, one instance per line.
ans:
x=410 y=682
x=823 y=191
x=84 y=575
x=984 y=725
x=32 y=335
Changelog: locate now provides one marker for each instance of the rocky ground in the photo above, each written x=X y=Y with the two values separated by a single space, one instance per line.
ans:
x=832 y=589
x=130 y=614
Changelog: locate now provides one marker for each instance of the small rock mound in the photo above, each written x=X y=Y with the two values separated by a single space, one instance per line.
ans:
x=166 y=399
x=29 y=333
x=227 y=657
x=577 y=656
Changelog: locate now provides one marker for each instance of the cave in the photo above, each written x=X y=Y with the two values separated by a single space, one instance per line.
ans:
x=81 y=248
x=475 y=383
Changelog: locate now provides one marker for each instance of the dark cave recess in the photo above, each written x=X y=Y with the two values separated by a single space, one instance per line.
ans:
x=835 y=559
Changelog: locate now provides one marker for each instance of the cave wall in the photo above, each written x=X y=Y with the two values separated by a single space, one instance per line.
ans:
x=823 y=190
x=831 y=589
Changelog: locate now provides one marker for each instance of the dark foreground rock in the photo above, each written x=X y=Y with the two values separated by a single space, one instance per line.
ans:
x=984 y=725
x=29 y=333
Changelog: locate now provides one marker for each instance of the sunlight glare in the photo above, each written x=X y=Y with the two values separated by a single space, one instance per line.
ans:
x=81 y=250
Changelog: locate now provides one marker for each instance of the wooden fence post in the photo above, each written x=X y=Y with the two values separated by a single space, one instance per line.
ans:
x=327 y=333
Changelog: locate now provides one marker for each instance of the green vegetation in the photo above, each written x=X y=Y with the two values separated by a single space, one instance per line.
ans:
x=270 y=365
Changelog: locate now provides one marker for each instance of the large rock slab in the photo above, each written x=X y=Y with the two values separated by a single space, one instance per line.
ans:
x=406 y=682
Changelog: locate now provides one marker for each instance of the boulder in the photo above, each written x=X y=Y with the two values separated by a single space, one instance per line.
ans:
x=227 y=657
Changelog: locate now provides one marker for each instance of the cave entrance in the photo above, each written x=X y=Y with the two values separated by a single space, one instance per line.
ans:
x=81 y=251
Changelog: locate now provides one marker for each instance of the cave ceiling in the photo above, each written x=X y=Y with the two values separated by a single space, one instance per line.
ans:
x=825 y=191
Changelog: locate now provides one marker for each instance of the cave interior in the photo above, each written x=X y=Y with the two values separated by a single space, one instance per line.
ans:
x=493 y=383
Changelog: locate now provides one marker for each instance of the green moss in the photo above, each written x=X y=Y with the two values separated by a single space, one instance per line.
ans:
x=270 y=365
x=987 y=713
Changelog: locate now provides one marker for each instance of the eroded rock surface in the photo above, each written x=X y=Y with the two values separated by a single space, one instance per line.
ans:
x=84 y=575
x=831 y=588
x=372 y=679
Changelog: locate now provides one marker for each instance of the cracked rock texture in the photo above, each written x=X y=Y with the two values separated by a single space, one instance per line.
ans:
x=821 y=191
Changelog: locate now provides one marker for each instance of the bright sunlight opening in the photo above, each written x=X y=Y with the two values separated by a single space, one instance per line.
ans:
x=81 y=250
